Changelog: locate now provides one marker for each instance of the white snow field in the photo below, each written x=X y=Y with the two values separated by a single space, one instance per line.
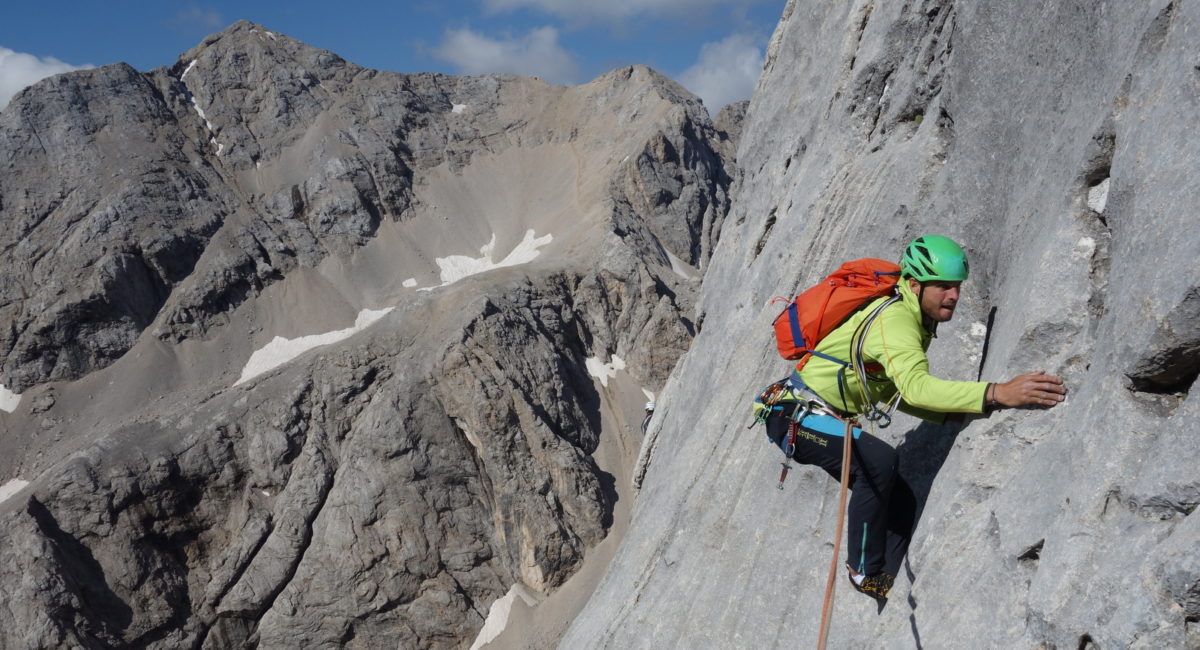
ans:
x=497 y=618
x=11 y=487
x=680 y=267
x=1098 y=197
x=604 y=371
x=457 y=267
x=199 y=111
x=280 y=350
x=8 y=399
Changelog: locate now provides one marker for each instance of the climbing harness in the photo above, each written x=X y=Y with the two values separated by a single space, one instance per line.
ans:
x=804 y=408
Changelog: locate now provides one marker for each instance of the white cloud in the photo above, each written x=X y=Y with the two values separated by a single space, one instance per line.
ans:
x=536 y=54
x=726 y=71
x=205 y=18
x=614 y=9
x=18 y=70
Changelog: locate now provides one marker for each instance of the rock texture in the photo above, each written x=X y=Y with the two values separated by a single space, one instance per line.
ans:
x=381 y=491
x=283 y=154
x=1056 y=140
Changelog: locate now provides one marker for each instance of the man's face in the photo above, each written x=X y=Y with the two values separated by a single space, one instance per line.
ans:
x=938 y=300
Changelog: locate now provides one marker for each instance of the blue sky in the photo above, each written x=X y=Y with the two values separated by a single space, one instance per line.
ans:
x=714 y=47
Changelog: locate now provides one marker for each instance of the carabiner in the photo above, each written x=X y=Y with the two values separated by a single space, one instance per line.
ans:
x=880 y=417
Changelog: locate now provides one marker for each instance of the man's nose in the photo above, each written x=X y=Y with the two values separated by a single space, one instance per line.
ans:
x=952 y=294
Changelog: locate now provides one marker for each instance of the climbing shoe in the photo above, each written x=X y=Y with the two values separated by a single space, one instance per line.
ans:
x=876 y=586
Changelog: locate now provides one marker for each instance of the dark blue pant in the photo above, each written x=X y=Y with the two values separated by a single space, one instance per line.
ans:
x=882 y=509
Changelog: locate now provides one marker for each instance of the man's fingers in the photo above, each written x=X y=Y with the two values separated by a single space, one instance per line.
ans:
x=1034 y=388
x=1050 y=394
x=1042 y=390
x=1053 y=388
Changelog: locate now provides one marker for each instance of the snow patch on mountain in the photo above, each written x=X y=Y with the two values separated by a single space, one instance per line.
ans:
x=281 y=350
x=8 y=399
x=199 y=111
x=1097 y=198
x=457 y=267
x=604 y=371
x=11 y=487
x=681 y=268
x=497 y=618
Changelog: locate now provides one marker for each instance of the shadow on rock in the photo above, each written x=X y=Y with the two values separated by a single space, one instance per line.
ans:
x=84 y=576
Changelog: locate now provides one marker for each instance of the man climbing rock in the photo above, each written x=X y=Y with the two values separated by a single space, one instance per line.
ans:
x=886 y=342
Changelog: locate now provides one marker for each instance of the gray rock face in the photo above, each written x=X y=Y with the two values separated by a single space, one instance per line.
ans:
x=165 y=229
x=350 y=490
x=279 y=155
x=1055 y=141
x=107 y=205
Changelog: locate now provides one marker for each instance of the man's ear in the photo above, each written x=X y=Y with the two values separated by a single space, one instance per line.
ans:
x=914 y=285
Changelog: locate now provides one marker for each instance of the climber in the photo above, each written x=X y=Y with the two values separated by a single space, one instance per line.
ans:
x=882 y=506
x=646 y=419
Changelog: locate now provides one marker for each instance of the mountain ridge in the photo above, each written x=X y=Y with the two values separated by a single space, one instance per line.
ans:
x=475 y=243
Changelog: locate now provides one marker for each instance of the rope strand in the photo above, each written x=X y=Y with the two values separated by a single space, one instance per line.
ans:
x=856 y=359
x=827 y=607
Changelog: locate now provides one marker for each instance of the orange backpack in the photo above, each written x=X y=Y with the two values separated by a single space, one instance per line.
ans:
x=812 y=315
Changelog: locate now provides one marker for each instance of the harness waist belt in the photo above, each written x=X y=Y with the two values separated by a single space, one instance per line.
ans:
x=827 y=424
x=797 y=385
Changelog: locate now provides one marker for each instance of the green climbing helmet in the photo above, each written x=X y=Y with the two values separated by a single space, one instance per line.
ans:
x=933 y=257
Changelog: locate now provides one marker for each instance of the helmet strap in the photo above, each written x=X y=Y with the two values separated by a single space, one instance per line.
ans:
x=927 y=322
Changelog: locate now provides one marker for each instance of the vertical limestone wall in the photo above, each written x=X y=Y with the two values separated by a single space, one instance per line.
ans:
x=1057 y=141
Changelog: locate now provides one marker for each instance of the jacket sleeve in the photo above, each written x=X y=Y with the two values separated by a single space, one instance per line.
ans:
x=895 y=342
x=936 y=417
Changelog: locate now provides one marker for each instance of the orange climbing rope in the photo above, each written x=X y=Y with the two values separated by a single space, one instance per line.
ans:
x=827 y=607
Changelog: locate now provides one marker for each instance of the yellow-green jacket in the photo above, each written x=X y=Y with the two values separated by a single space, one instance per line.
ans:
x=897 y=341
